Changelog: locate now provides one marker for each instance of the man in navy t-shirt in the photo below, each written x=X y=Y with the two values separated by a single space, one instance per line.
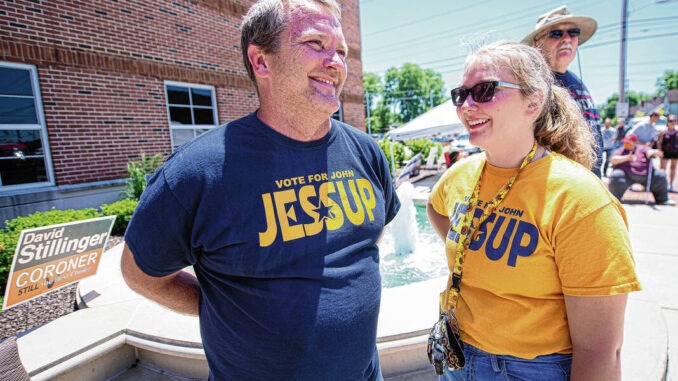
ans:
x=278 y=213
x=557 y=35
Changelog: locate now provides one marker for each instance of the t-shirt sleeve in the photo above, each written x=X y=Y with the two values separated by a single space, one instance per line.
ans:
x=439 y=193
x=594 y=255
x=159 y=231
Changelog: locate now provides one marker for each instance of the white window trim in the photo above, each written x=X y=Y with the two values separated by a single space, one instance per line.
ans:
x=41 y=125
x=341 y=112
x=174 y=126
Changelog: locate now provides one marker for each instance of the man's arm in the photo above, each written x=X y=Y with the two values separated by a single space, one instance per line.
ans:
x=596 y=326
x=619 y=159
x=178 y=291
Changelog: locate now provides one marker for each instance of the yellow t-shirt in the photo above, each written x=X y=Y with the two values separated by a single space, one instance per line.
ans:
x=558 y=232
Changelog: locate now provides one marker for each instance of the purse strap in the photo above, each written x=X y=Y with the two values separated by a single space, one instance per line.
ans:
x=466 y=235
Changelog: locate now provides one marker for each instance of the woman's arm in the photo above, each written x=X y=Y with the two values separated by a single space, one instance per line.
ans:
x=596 y=326
x=660 y=139
x=440 y=223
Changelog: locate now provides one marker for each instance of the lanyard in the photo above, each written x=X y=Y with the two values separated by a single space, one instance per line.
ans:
x=466 y=236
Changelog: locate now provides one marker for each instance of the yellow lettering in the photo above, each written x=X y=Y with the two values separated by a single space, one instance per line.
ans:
x=268 y=237
x=304 y=194
x=337 y=221
x=357 y=216
x=367 y=195
x=289 y=232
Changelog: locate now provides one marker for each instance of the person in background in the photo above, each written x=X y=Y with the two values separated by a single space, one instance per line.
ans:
x=668 y=144
x=621 y=131
x=609 y=134
x=558 y=34
x=279 y=213
x=647 y=132
x=632 y=163
x=547 y=259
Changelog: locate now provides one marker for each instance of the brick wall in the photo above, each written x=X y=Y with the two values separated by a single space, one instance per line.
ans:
x=101 y=67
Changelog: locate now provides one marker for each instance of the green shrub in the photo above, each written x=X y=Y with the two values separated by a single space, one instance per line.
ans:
x=423 y=146
x=9 y=236
x=137 y=171
x=399 y=154
x=123 y=210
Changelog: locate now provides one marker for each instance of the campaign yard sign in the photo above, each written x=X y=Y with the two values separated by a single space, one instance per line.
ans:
x=51 y=257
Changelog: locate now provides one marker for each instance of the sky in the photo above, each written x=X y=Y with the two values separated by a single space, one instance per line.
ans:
x=433 y=34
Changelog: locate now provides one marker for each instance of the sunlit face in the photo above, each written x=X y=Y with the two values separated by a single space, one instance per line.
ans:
x=500 y=124
x=559 y=53
x=309 y=69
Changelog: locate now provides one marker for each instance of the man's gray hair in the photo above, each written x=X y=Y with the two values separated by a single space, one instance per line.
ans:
x=266 y=20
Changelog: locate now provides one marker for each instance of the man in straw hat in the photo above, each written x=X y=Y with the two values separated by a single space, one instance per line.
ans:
x=557 y=35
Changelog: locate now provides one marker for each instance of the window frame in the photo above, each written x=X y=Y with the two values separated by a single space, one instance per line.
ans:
x=339 y=111
x=40 y=126
x=194 y=127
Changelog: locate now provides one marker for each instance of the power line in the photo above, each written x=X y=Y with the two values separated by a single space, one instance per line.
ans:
x=418 y=41
x=451 y=60
x=426 y=19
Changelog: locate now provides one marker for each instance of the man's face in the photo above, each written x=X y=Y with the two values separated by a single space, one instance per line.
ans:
x=309 y=69
x=629 y=145
x=654 y=119
x=558 y=52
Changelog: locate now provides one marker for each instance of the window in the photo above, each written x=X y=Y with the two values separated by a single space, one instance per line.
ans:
x=24 y=156
x=339 y=114
x=192 y=111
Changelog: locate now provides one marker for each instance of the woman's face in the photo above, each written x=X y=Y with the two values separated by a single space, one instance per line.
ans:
x=502 y=124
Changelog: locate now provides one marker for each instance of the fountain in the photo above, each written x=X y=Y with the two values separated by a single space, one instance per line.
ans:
x=410 y=250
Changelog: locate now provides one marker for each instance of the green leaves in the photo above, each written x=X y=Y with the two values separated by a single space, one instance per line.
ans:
x=137 y=171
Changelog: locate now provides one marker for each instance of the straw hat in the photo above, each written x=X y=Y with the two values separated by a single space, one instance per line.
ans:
x=560 y=15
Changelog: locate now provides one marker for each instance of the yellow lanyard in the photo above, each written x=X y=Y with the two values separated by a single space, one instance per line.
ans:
x=466 y=236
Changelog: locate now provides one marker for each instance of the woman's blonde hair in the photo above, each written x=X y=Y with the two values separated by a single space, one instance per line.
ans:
x=560 y=126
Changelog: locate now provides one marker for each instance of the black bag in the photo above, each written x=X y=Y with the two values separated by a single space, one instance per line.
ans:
x=444 y=347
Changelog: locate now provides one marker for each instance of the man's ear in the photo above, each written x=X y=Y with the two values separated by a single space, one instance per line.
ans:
x=257 y=58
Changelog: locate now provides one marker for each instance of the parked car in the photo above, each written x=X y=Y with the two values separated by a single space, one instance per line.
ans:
x=661 y=124
x=462 y=144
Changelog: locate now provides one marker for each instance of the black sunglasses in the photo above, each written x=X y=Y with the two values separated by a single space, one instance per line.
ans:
x=558 y=33
x=481 y=92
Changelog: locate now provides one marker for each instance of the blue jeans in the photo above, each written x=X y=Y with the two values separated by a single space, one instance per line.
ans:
x=379 y=376
x=483 y=366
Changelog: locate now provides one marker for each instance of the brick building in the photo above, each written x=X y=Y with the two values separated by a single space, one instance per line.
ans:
x=88 y=85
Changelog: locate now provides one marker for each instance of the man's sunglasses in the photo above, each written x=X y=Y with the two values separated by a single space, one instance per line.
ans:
x=557 y=34
x=482 y=92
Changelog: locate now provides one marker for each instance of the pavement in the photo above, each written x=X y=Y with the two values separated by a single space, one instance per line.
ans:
x=116 y=315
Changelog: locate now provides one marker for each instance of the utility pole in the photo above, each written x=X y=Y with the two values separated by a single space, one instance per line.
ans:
x=622 y=54
x=369 y=105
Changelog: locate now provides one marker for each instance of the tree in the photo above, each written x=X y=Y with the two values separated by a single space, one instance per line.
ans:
x=411 y=90
x=609 y=108
x=380 y=116
x=668 y=81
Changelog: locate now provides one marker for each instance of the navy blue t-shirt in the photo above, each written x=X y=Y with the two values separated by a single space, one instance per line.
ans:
x=282 y=236
x=581 y=95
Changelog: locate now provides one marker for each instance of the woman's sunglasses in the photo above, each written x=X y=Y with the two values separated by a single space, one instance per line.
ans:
x=482 y=92
x=557 y=34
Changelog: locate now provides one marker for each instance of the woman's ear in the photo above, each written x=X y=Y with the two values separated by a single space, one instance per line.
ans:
x=257 y=58
x=535 y=104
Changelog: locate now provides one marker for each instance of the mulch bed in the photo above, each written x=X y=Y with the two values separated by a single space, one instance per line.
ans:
x=43 y=309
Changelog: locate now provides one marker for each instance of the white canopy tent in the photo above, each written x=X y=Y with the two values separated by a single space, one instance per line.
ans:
x=440 y=120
